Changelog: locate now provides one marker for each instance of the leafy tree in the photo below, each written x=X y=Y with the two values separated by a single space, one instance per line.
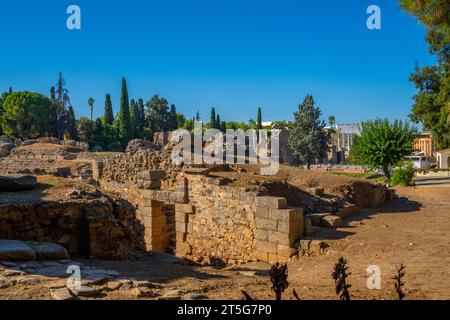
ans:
x=124 y=125
x=383 y=145
x=259 y=119
x=108 y=116
x=157 y=114
x=197 y=116
x=223 y=127
x=2 y=100
x=212 y=122
x=91 y=102
x=308 y=139
x=432 y=101
x=27 y=115
x=181 y=119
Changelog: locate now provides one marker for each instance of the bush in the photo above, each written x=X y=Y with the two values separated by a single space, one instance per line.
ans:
x=403 y=176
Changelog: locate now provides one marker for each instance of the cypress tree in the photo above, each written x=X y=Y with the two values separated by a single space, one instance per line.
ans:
x=134 y=114
x=52 y=93
x=172 y=118
x=125 y=131
x=259 y=119
x=218 y=122
x=212 y=122
x=108 y=116
x=71 y=123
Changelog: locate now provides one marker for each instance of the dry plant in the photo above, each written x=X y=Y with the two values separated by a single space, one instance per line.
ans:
x=398 y=284
x=278 y=276
x=340 y=279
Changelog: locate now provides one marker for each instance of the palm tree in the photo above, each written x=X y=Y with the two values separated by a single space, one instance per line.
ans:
x=331 y=121
x=91 y=102
x=434 y=13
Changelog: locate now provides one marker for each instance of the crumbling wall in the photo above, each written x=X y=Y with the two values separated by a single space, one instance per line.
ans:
x=124 y=168
x=99 y=228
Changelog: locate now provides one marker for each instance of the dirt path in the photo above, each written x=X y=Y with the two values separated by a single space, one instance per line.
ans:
x=414 y=230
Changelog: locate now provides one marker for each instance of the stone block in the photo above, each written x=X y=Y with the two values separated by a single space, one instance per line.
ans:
x=308 y=227
x=180 y=237
x=347 y=210
x=265 y=246
x=151 y=185
x=181 y=217
x=331 y=222
x=274 y=258
x=151 y=175
x=181 y=227
x=317 y=217
x=286 y=214
x=262 y=212
x=184 y=207
x=266 y=224
x=285 y=251
x=283 y=238
x=295 y=227
x=271 y=202
x=262 y=235
x=261 y=256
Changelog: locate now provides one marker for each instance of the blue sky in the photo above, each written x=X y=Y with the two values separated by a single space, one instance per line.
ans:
x=234 y=54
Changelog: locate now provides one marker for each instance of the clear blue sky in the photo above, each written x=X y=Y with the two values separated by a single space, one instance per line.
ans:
x=234 y=54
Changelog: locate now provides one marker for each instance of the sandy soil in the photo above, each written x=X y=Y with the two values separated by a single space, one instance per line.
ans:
x=414 y=230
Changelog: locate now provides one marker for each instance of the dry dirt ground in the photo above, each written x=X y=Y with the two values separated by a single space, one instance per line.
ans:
x=414 y=230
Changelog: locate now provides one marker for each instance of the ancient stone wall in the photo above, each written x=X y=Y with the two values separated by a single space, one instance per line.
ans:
x=124 y=168
x=99 y=228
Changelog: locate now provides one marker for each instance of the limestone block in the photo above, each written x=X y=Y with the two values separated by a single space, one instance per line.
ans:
x=265 y=246
x=331 y=222
x=181 y=227
x=266 y=224
x=181 y=217
x=283 y=238
x=180 y=237
x=271 y=202
x=151 y=185
x=262 y=212
x=151 y=175
x=286 y=214
x=262 y=235
x=184 y=207
x=286 y=251
x=347 y=210
x=317 y=217
x=308 y=227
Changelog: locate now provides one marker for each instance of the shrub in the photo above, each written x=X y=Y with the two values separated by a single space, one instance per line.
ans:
x=403 y=176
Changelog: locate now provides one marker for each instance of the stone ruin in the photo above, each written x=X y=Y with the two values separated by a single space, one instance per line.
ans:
x=188 y=212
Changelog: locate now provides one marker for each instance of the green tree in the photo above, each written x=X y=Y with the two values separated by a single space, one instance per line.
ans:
x=27 y=115
x=259 y=119
x=124 y=125
x=91 y=102
x=140 y=117
x=308 y=139
x=172 y=118
x=432 y=101
x=218 y=122
x=52 y=93
x=212 y=121
x=383 y=145
x=108 y=116
x=71 y=123
x=157 y=114
x=62 y=92
x=134 y=114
